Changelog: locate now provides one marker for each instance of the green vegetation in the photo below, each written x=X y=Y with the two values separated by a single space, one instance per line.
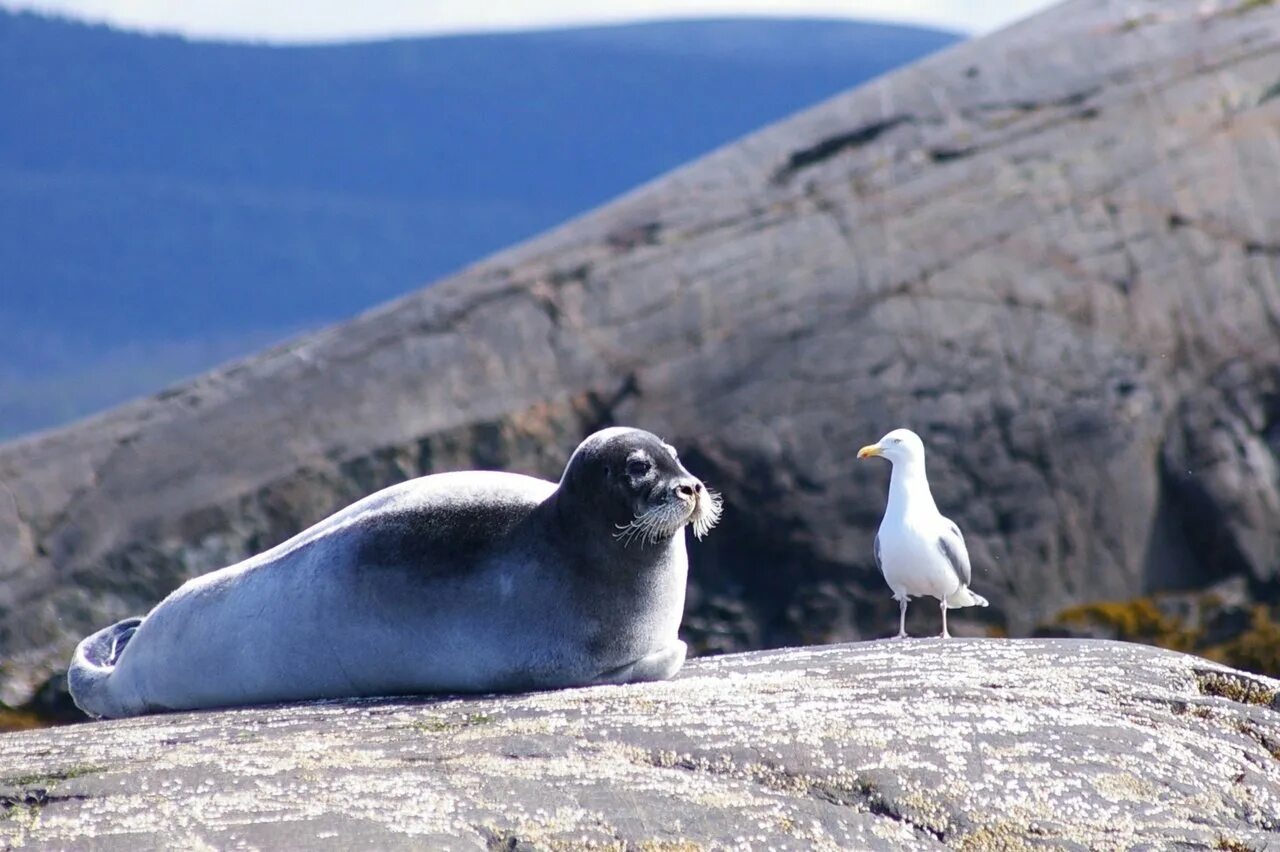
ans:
x=19 y=720
x=437 y=724
x=1230 y=844
x=1251 y=5
x=26 y=795
x=1131 y=24
x=1138 y=620
x=1235 y=688
x=48 y=779
x=1257 y=648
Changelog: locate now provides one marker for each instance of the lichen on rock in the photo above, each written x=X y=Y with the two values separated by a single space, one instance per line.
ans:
x=919 y=744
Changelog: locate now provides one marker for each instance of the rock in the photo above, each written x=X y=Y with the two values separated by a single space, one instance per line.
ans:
x=968 y=744
x=1051 y=251
x=53 y=703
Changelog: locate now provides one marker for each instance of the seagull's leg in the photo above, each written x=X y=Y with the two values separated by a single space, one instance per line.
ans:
x=902 y=618
x=945 y=634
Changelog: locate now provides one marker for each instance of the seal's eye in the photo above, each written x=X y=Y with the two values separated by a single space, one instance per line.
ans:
x=638 y=467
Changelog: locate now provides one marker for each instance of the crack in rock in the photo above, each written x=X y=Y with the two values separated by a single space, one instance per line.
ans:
x=829 y=147
x=851 y=792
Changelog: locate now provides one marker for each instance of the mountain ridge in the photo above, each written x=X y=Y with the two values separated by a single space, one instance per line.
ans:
x=167 y=192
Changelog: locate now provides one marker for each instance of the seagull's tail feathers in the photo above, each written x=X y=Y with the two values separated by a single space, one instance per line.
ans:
x=965 y=597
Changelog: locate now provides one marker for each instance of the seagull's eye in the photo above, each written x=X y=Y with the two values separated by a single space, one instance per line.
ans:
x=637 y=467
x=897 y=440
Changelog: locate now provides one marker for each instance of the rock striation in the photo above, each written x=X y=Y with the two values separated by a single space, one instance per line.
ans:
x=922 y=744
x=1052 y=252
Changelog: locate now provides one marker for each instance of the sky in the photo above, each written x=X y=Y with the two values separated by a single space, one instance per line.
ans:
x=338 y=20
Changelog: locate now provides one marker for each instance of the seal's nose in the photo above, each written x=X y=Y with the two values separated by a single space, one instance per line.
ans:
x=689 y=490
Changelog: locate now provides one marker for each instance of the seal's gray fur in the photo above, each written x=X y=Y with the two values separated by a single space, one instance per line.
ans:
x=456 y=582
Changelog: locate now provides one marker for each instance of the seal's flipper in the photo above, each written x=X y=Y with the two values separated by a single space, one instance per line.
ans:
x=95 y=659
x=659 y=665
x=121 y=633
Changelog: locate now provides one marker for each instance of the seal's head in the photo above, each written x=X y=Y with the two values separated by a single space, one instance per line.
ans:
x=648 y=496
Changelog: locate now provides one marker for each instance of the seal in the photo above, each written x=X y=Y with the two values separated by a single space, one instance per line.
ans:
x=465 y=582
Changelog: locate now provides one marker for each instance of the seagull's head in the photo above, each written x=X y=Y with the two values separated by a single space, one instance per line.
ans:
x=899 y=446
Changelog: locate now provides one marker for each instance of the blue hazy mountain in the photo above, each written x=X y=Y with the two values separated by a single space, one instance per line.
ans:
x=166 y=204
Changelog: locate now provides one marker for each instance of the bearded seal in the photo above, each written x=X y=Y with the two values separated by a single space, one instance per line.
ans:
x=468 y=582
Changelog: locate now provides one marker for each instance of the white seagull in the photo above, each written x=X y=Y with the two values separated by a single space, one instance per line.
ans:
x=918 y=551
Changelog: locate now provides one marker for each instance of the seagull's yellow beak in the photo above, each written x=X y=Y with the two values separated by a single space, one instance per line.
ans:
x=869 y=451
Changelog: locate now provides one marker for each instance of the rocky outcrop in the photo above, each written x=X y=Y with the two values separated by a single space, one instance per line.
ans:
x=924 y=744
x=1051 y=251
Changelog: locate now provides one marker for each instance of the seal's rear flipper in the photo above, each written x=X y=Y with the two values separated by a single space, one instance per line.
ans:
x=659 y=665
x=95 y=659
x=121 y=633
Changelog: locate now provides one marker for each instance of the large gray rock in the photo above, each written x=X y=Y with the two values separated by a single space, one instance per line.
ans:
x=1051 y=251
x=923 y=744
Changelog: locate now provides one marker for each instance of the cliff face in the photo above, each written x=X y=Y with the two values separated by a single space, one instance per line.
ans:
x=987 y=744
x=1051 y=251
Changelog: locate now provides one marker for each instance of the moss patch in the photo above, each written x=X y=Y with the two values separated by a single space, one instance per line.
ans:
x=26 y=806
x=437 y=725
x=1252 y=5
x=46 y=779
x=20 y=720
x=1133 y=23
x=1256 y=648
x=1234 y=687
x=1138 y=620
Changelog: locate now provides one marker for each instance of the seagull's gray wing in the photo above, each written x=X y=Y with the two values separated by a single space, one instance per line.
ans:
x=878 y=565
x=951 y=543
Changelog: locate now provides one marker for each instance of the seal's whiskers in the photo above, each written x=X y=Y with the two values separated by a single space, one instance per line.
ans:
x=706 y=513
x=653 y=524
x=667 y=519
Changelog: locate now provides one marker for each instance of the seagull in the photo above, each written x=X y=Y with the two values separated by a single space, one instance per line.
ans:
x=918 y=551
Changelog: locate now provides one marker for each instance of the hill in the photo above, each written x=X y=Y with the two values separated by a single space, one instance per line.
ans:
x=165 y=204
